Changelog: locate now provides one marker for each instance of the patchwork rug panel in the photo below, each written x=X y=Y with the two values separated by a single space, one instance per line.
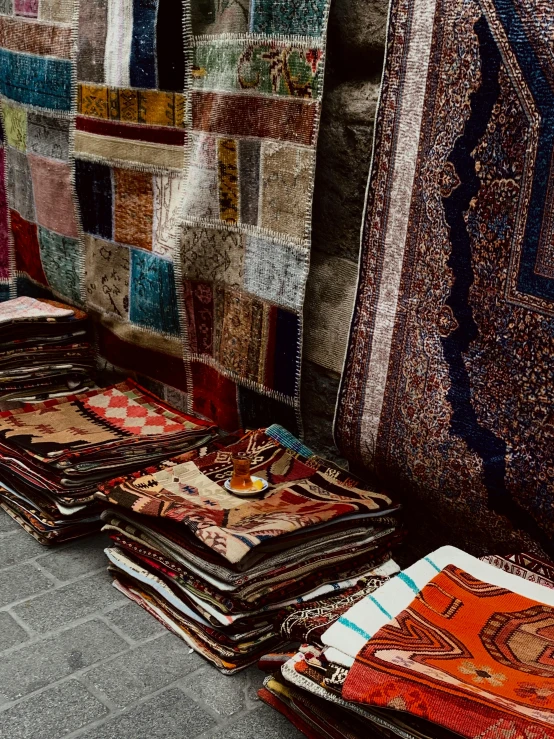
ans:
x=157 y=168
x=449 y=377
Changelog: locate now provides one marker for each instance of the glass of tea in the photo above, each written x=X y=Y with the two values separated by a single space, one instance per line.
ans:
x=241 y=479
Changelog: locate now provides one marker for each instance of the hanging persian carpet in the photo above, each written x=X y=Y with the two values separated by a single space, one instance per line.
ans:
x=449 y=379
x=157 y=169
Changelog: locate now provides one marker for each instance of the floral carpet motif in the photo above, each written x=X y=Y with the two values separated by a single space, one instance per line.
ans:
x=449 y=377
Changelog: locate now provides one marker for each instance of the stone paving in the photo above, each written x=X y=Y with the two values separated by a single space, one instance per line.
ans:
x=77 y=659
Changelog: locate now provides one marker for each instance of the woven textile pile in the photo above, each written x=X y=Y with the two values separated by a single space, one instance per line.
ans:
x=44 y=349
x=223 y=572
x=157 y=164
x=54 y=453
x=452 y=646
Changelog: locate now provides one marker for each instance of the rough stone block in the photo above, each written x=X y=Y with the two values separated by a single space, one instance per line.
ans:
x=261 y=723
x=35 y=666
x=11 y=632
x=77 y=558
x=54 y=713
x=144 y=669
x=16 y=548
x=223 y=694
x=170 y=715
x=20 y=582
x=319 y=393
x=357 y=33
x=329 y=303
x=342 y=169
x=69 y=603
x=135 y=622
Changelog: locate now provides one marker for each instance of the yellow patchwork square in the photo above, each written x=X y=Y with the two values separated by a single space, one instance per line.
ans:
x=93 y=101
x=15 y=126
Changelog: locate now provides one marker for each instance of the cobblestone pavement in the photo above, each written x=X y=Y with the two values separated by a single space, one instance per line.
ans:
x=77 y=659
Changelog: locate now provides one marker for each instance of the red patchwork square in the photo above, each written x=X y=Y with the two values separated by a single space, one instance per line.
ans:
x=27 y=249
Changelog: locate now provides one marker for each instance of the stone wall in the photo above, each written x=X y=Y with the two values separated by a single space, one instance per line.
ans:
x=357 y=30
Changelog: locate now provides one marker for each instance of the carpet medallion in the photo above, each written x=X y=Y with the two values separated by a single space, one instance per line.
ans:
x=449 y=375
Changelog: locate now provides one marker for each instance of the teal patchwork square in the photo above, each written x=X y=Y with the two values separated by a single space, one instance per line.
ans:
x=289 y=17
x=153 y=298
x=36 y=80
x=61 y=261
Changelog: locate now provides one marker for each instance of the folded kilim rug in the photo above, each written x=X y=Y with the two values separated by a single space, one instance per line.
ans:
x=449 y=378
x=224 y=572
x=351 y=631
x=449 y=647
x=465 y=655
x=45 y=350
x=305 y=491
x=157 y=168
x=53 y=454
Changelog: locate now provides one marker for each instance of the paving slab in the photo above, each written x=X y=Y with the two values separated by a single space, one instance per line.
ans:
x=7 y=523
x=261 y=723
x=54 y=713
x=21 y=581
x=144 y=669
x=15 y=549
x=11 y=633
x=38 y=664
x=169 y=715
x=69 y=603
x=223 y=694
x=77 y=558
x=135 y=622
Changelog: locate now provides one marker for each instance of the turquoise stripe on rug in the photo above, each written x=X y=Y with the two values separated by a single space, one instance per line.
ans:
x=379 y=606
x=409 y=582
x=285 y=438
x=354 y=627
x=430 y=561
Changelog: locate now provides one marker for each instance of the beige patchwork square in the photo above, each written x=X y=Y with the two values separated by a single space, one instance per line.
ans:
x=168 y=200
x=107 y=276
x=211 y=255
x=60 y=11
x=286 y=188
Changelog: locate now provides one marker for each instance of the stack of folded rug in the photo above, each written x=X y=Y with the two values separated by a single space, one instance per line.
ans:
x=451 y=647
x=44 y=350
x=53 y=454
x=526 y=566
x=223 y=572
